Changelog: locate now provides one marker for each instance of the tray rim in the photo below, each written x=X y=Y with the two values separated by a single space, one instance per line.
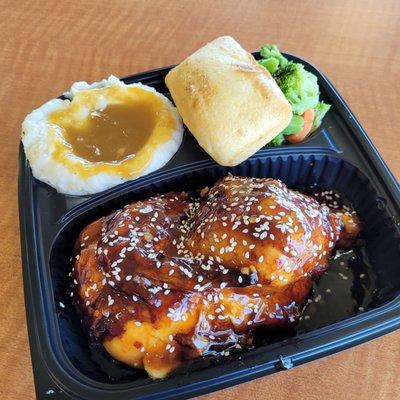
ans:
x=60 y=375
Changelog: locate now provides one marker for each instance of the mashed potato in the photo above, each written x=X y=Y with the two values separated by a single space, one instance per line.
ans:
x=58 y=161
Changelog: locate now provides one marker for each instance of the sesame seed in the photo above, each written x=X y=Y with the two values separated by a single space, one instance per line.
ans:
x=343 y=276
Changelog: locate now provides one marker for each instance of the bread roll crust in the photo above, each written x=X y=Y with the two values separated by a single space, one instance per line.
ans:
x=228 y=101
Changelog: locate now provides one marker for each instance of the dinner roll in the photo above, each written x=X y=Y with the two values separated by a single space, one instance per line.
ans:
x=230 y=103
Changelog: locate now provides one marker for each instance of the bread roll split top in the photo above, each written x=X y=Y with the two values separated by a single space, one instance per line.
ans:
x=228 y=101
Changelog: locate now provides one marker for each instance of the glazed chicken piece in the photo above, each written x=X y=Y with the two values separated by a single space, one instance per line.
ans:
x=260 y=227
x=172 y=278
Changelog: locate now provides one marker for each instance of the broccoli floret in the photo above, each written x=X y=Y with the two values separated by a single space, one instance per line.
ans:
x=299 y=86
x=272 y=58
x=277 y=141
x=272 y=51
x=295 y=125
x=271 y=64
x=320 y=110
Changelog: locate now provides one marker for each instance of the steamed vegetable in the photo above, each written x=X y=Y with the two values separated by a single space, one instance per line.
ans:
x=320 y=110
x=277 y=140
x=272 y=58
x=295 y=125
x=301 y=89
x=299 y=86
x=271 y=64
x=308 y=118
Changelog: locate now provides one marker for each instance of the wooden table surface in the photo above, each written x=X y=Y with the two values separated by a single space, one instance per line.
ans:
x=47 y=45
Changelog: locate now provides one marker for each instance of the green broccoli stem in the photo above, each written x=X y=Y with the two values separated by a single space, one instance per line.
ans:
x=295 y=125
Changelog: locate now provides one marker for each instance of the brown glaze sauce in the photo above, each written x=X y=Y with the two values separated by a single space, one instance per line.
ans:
x=172 y=278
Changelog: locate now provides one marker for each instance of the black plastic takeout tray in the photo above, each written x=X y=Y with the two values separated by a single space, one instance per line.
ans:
x=364 y=288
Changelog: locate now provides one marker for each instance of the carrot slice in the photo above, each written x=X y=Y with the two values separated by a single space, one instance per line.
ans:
x=308 y=117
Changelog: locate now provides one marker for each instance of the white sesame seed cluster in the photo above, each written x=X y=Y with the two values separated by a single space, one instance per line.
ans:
x=174 y=277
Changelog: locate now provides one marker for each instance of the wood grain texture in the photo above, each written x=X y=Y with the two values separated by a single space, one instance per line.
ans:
x=47 y=45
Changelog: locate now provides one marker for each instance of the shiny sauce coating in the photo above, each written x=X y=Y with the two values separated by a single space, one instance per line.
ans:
x=172 y=278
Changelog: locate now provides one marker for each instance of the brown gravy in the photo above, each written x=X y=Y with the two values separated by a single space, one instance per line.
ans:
x=124 y=133
x=113 y=133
